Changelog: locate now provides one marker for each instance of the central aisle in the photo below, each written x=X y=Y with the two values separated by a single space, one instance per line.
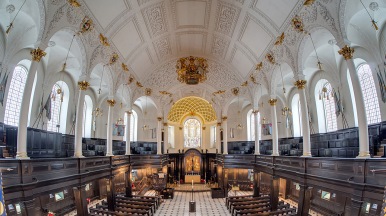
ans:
x=205 y=205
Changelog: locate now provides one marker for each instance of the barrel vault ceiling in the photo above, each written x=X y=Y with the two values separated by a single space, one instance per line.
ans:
x=150 y=35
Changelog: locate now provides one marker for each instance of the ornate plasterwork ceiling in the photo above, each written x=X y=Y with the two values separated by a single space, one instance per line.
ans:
x=151 y=34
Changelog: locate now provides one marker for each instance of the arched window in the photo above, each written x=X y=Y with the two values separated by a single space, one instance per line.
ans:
x=56 y=100
x=87 y=116
x=251 y=124
x=15 y=95
x=369 y=94
x=325 y=105
x=297 y=116
x=192 y=133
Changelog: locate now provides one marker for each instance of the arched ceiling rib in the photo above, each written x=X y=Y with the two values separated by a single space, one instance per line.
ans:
x=192 y=106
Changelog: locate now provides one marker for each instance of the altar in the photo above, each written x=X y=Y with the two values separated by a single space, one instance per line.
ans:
x=196 y=179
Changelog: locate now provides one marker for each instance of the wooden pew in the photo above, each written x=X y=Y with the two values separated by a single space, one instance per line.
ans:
x=286 y=211
x=120 y=210
x=250 y=212
x=133 y=206
x=142 y=199
x=264 y=204
x=235 y=197
x=245 y=199
x=136 y=202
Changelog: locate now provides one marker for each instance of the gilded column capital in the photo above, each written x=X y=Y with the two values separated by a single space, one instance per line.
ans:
x=83 y=85
x=224 y=118
x=301 y=84
x=111 y=102
x=37 y=54
x=219 y=124
x=159 y=118
x=347 y=52
x=129 y=112
x=165 y=124
x=255 y=112
x=272 y=101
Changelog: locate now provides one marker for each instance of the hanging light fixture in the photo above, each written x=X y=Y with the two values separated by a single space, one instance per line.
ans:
x=191 y=70
x=282 y=80
x=11 y=24
x=373 y=22
x=147 y=93
x=100 y=84
x=319 y=64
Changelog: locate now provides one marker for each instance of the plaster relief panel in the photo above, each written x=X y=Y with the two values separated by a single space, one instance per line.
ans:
x=155 y=19
x=226 y=18
x=162 y=47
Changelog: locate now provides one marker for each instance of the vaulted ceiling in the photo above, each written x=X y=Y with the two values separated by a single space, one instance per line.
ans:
x=150 y=35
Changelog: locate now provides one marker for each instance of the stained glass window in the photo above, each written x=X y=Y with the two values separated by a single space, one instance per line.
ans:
x=192 y=133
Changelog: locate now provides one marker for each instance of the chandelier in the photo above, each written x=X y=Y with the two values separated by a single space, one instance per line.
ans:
x=191 y=70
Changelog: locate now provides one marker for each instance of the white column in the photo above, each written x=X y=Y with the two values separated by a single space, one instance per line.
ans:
x=218 y=137
x=159 y=138
x=166 y=137
x=225 y=134
x=21 y=152
x=83 y=85
x=301 y=84
x=127 y=132
x=110 y=117
x=257 y=138
x=347 y=52
x=275 y=141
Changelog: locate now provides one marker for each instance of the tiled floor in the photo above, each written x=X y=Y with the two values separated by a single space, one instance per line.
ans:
x=205 y=205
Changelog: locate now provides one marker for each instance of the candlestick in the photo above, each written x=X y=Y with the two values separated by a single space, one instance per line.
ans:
x=192 y=184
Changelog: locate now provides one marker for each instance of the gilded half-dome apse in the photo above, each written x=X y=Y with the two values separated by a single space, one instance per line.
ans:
x=192 y=106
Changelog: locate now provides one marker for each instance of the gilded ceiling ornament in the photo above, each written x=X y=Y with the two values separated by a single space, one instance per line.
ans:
x=270 y=58
x=244 y=84
x=130 y=80
x=191 y=70
x=236 y=91
x=165 y=93
x=124 y=67
x=37 y=54
x=83 y=85
x=219 y=92
x=103 y=40
x=74 y=3
x=114 y=58
x=111 y=102
x=272 y=101
x=139 y=84
x=86 y=25
x=259 y=66
x=347 y=52
x=280 y=39
x=297 y=23
x=300 y=84
x=308 y=2
x=148 y=91
x=253 y=79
